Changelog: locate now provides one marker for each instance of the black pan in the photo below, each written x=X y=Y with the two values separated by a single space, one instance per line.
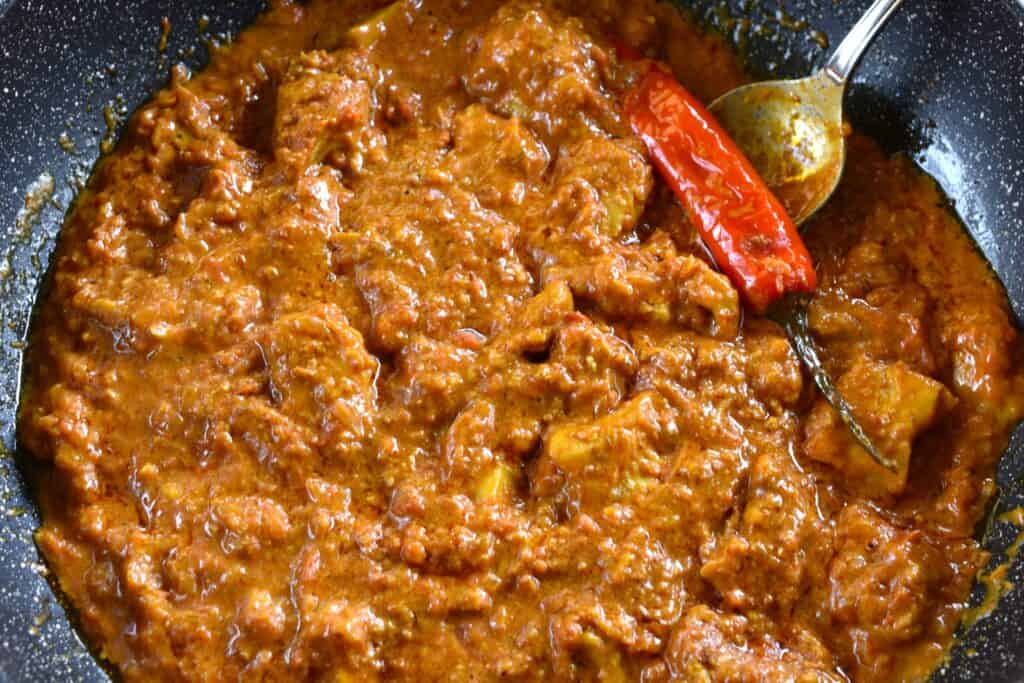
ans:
x=944 y=84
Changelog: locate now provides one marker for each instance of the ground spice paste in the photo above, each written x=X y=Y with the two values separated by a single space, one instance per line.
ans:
x=379 y=353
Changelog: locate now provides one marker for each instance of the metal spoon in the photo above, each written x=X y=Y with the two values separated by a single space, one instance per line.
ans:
x=792 y=131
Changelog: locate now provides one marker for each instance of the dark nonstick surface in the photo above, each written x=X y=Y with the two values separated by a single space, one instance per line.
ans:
x=944 y=83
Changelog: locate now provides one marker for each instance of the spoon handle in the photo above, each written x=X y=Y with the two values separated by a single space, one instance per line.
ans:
x=840 y=65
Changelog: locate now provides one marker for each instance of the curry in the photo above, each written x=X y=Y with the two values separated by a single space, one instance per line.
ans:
x=379 y=351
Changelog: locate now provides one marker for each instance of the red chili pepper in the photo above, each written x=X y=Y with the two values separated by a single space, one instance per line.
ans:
x=743 y=224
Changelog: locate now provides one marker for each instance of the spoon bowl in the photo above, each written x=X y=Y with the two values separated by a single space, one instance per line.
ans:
x=792 y=131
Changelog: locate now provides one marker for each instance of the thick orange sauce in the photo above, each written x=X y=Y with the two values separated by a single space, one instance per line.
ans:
x=384 y=355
